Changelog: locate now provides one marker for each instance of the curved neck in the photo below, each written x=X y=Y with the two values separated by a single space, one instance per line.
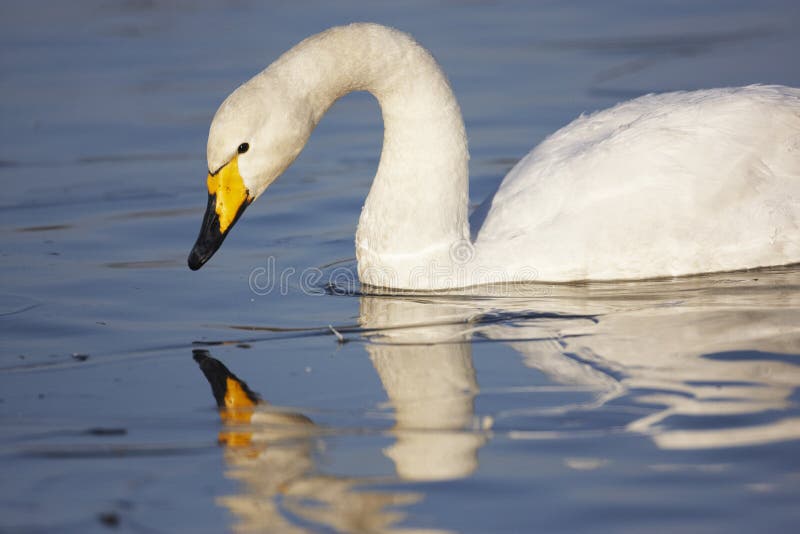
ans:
x=416 y=209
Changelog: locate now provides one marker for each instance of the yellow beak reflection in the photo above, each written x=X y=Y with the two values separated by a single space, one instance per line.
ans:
x=236 y=401
x=227 y=199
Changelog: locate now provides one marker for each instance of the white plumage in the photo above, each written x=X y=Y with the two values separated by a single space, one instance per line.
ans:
x=662 y=185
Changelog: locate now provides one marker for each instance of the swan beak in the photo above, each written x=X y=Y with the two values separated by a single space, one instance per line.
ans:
x=227 y=199
x=236 y=401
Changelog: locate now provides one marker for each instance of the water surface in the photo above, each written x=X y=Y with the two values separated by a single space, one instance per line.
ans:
x=661 y=405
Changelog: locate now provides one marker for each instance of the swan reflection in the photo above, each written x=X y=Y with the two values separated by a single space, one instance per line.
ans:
x=271 y=453
x=695 y=363
x=707 y=352
x=428 y=375
x=703 y=362
x=430 y=382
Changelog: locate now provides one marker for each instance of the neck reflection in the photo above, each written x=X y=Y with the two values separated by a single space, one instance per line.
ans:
x=422 y=352
x=429 y=378
x=696 y=363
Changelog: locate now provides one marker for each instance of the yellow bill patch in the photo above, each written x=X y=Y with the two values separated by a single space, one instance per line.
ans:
x=228 y=186
x=238 y=410
x=238 y=406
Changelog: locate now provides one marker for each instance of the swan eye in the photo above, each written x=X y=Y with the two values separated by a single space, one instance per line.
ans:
x=244 y=147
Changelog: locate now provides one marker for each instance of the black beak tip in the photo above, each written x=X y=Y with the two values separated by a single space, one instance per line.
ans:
x=208 y=240
x=195 y=261
x=210 y=237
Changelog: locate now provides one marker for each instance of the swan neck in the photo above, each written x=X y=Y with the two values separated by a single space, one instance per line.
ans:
x=416 y=209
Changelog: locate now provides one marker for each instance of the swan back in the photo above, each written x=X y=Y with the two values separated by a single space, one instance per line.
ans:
x=668 y=184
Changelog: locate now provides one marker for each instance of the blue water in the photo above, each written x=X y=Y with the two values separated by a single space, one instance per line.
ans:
x=651 y=406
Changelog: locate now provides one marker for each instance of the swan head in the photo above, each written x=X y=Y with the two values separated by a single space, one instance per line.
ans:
x=257 y=132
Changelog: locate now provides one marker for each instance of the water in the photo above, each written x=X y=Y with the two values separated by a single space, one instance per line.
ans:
x=659 y=406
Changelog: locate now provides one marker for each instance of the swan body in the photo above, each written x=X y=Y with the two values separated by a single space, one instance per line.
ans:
x=663 y=185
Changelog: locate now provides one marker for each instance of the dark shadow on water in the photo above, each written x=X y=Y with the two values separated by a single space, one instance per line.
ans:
x=113 y=451
x=147 y=264
x=45 y=228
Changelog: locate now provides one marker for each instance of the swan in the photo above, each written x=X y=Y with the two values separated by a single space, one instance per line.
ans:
x=663 y=185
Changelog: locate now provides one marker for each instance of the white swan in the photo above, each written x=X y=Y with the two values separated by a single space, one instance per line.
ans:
x=662 y=185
